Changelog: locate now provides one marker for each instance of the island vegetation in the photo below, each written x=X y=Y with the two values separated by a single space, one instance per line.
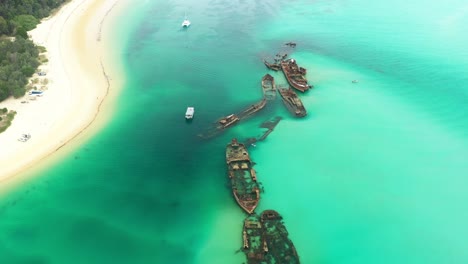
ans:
x=19 y=56
x=5 y=118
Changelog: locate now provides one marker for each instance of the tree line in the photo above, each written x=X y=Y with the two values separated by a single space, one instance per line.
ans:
x=19 y=16
x=18 y=55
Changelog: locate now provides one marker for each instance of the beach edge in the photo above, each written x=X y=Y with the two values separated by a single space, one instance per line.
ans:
x=82 y=95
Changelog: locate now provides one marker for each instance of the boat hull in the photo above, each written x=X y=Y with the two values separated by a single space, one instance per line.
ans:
x=254 y=244
x=295 y=75
x=272 y=66
x=292 y=102
x=276 y=236
x=189 y=113
x=247 y=204
x=245 y=188
x=228 y=121
x=268 y=87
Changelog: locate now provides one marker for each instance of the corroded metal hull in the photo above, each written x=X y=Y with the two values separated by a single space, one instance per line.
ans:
x=280 y=247
x=295 y=75
x=268 y=87
x=254 y=243
x=220 y=125
x=243 y=177
x=272 y=66
x=292 y=102
x=228 y=121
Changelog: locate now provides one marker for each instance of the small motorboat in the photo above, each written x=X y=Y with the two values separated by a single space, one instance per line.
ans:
x=189 y=113
x=355 y=81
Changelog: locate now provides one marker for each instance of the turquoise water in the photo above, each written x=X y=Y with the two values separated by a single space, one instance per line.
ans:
x=374 y=174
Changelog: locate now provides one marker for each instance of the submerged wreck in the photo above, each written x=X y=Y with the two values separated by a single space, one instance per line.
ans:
x=227 y=121
x=269 y=125
x=268 y=87
x=280 y=247
x=292 y=102
x=255 y=246
x=252 y=109
x=272 y=66
x=265 y=240
x=295 y=75
x=245 y=187
x=220 y=125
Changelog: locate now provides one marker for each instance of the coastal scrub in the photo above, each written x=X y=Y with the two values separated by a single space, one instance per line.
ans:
x=6 y=117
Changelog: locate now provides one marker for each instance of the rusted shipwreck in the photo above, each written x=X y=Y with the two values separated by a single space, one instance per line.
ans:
x=268 y=87
x=280 y=247
x=227 y=121
x=269 y=125
x=292 y=102
x=245 y=187
x=272 y=66
x=265 y=240
x=295 y=75
x=254 y=244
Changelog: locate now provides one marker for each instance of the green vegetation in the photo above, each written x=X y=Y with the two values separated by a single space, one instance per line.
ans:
x=18 y=62
x=5 y=118
x=19 y=57
x=18 y=16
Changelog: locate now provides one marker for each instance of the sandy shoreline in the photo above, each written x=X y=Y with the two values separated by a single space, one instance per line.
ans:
x=77 y=83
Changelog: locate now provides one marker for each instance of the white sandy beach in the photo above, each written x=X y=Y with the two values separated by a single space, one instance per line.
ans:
x=76 y=89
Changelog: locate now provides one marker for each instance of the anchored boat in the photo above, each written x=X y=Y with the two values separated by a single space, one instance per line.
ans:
x=293 y=102
x=280 y=247
x=243 y=177
x=186 y=22
x=268 y=87
x=189 y=113
x=295 y=75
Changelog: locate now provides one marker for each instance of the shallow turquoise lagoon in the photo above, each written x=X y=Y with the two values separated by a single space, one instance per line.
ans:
x=376 y=172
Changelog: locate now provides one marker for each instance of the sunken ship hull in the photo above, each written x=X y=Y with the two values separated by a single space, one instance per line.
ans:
x=272 y=66
x=254 y=243
x=280 y=247
x=243 y=177
x=268 y=87
x=220 y=125
x=292 y=102
x=295 y=75
x=228 y=121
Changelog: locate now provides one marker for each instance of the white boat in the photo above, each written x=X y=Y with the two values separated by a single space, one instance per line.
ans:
x=189 y=113
x=186 y=23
